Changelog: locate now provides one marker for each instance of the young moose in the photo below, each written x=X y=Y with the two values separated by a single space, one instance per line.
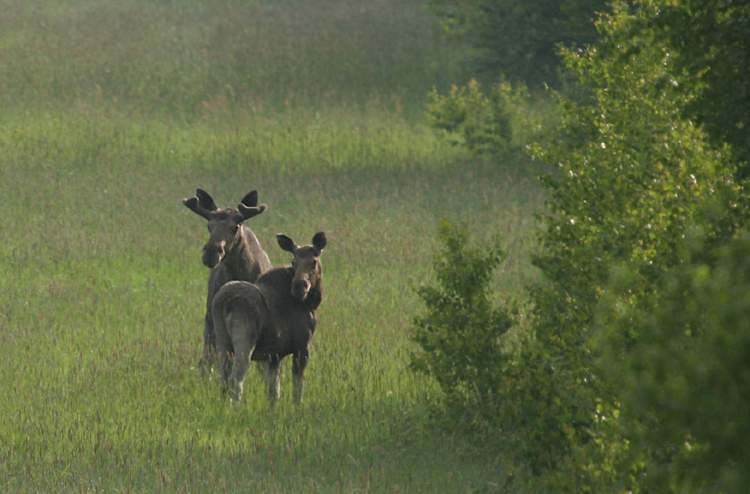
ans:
x=232 y=252
x=270 y=319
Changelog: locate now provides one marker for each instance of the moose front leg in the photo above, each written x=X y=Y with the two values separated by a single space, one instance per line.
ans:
x=273 y=378
x=208 y=355
x=298 y=373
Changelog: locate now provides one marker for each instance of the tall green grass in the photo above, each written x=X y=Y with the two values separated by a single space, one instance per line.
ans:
x=187 y=57
x=102 y=292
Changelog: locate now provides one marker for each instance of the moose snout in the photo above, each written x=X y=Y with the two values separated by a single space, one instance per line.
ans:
x=300 y=288
x=213 y=254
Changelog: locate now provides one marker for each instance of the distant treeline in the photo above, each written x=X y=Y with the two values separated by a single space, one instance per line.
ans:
x=521 y=39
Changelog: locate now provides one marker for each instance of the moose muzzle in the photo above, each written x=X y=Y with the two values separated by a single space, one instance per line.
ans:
x=300 y=288
x=213 y=254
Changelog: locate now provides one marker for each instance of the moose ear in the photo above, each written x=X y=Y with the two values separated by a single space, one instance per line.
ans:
x=287 y=243
x=246 y=212
x=193 y=204
x=319 y=241
x=251 y=199
x=205 y=200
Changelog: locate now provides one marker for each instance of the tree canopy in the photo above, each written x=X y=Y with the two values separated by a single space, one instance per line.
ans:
x=638 y=342
x=521 y=38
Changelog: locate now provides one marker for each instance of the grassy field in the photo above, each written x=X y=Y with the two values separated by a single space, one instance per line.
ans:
x=111 y=115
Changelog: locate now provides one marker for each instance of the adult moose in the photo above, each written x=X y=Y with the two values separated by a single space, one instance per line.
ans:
x=270 y=319
x=232 y=252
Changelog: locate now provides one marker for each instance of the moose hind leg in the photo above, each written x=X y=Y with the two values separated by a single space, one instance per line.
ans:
x=225 y=351
x=237 y=380
x=298 y=373
x=226 y=359
x=240 y=328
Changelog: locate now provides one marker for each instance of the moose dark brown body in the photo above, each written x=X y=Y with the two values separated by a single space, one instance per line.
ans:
x=270 y=319
x=232 y=252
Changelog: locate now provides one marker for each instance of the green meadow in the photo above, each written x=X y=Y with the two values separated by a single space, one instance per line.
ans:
x=110 y=114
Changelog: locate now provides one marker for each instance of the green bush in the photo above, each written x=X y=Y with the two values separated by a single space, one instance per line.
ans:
x=633 y=175
x=711 y=39
x=460 y=335
x=506 y=120
x=468 y=118
x=684 y=382
x=632 y=178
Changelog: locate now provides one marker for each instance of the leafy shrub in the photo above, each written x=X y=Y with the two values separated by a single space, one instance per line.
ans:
x=502 y=122
x=460 y=336
x=711 y=39
x=632 y=178
x=684 y=382
x=509 y=399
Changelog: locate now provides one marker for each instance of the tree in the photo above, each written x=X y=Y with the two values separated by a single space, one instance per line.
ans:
x=711 y=39
x=499 y=124
x=684 y=382
x=632 y=177
x=460 y=335
x=650 y=153
x=520 y=38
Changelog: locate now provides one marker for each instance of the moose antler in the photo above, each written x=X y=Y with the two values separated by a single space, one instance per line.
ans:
x=192 y=203
x=203 y=204
x=247 y=212
x=205 y=200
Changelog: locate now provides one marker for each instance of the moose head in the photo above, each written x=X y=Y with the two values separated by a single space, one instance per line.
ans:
x=308 y=273
x=224 y=225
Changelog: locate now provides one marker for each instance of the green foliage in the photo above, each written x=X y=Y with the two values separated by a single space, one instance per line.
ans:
x=710 y=37
x=683 y=383
x=468 y=118
x=500 y=123
x=635 y=172
x=488 y=388
x=520 y=38
x=632 y=177
x=460 y=336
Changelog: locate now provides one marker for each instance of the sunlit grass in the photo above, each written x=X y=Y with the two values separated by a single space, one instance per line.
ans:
x=103 y=298
x=102 y=292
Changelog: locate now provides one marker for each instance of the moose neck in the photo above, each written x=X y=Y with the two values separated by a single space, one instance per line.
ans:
x=237 y=259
